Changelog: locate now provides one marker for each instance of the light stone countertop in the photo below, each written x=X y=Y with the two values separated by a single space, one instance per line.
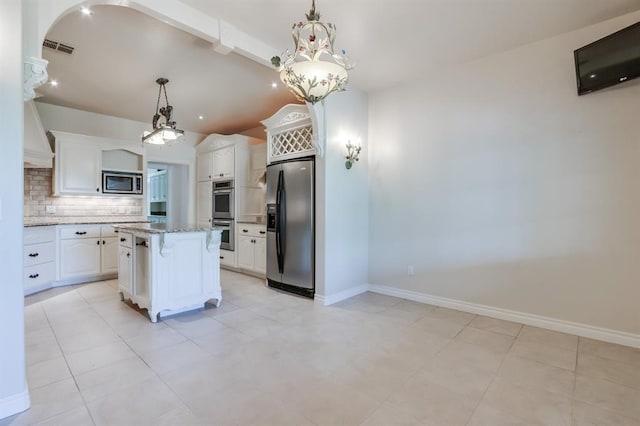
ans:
x=81 y=220
x=163 y=228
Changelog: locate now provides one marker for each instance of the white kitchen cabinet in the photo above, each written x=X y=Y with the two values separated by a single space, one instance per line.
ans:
x=157 y=187
x=87 y=252
x=228 y=258
x=252 y=254
x=173 y=271
x=77 y=168
x=125 y=264
x=80 y=159
x=39 y=258
x=205 y=167
x=109 y=255
x=79 y=257
x=260 y=253
x=204 y=204
x=223 y=163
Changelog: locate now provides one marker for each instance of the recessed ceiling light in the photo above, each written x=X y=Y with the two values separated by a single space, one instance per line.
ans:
x=592 y=76
x=54 y=83
x=274 y=85
x=85 y=10
x=200 y=117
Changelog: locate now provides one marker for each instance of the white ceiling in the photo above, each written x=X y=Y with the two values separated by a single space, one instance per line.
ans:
x=120 y=52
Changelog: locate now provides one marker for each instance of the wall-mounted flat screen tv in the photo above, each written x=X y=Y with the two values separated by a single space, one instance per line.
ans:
x=608 y=61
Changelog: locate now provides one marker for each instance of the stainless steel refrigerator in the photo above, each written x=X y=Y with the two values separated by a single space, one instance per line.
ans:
x=291 y=226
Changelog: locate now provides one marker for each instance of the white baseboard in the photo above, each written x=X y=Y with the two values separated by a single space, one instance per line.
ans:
x=583 y=330
x=342 y=295
x=14 y=404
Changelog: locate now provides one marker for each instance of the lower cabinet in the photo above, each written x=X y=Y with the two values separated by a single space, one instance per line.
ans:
x=252 y=244
x=125 y=264
x=228 y=258
x=79 y=257
x=39 y=258
x=87 y=251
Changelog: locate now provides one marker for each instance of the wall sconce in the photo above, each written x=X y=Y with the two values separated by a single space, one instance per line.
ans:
x=352 y=154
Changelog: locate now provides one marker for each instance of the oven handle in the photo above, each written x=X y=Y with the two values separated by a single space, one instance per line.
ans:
x=222 y=191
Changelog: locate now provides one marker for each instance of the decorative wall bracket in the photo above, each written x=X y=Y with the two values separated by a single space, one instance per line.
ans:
x=35 y=75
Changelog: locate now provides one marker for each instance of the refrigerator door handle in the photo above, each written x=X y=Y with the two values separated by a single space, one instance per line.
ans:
x=280 y=222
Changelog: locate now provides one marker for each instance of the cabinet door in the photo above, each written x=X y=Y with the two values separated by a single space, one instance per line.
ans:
x=79 y=257
x=260 y=253
x=109 y=254
x=245 y=252
x=223 y=165
x=163 y=187
x=205 y=201
x=205 y=167
x=78 y=168
x=125 y=269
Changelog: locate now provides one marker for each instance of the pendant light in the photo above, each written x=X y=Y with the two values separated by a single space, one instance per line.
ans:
x=163 y=131
x=313 y=71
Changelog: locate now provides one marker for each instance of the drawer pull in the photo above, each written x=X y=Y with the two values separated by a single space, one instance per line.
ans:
x=34 y=275
x=116 y=231
x=263 y=232
x=123 y=239
x=221 y=257
x=245 y=230
x=33 y=254
x=80 y=232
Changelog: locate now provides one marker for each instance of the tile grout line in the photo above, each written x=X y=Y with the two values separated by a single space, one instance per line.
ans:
x=64 y=356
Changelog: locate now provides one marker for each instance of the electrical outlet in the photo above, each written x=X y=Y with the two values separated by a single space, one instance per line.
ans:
x=410 y=271
x=50 y=209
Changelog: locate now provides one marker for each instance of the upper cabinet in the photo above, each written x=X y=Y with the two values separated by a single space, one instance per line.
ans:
x=79 y=161
x=77 y=168
x=205 y=167
x=223 y=163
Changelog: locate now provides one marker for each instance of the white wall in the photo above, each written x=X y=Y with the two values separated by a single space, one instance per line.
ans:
x=342 y=199
x=87 y=123
x=14 y=396
x=504 y=188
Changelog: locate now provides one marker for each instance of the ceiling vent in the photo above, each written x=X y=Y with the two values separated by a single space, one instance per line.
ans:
x=60 y=47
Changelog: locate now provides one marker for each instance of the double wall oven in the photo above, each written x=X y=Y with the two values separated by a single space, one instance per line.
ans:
x=223 y=211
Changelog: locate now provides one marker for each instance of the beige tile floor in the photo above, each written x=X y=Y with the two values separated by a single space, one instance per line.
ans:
x=268 y=358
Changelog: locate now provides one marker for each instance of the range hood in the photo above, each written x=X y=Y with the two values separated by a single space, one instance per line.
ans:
x=37 y=150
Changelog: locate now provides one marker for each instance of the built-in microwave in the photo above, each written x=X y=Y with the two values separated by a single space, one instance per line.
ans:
x=121 y=182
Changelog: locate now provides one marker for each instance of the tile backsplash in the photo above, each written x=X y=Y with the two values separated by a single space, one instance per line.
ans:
x=37 y=196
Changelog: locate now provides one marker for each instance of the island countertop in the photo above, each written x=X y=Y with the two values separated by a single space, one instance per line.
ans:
x=163 y=228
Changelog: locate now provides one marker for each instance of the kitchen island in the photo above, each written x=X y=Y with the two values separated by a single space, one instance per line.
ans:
x=167 y=268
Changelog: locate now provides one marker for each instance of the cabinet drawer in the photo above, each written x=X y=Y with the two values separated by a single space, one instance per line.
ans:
x=252 y=229
x=37 y=275
x=39 y=253
x=39 y=234
x=80 y=231
x=108 y=231
x=125 y=239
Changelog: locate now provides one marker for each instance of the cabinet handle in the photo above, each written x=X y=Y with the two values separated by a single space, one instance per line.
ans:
x=245 y=230
x=209 y=176
x=123 y=239
x=33 y=254
x=98 y=242
x=263 y=232
x=116 y=231
x=80 y=233
x=34 y=275
x=221 y=257
x=104 y=242
x=128 y=254
x=97 y=189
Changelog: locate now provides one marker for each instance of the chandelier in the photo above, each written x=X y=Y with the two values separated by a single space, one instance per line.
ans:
x=314 y=70
x=163 y=131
